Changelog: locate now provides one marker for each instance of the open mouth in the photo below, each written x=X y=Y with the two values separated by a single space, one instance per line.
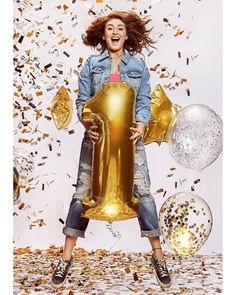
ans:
x=115 y=40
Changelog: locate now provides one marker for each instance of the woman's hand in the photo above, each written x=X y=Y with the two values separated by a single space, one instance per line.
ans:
x=137 y=130
x=91 y=131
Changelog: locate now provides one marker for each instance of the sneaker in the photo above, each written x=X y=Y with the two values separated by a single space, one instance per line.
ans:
x=162 y=274
x=60 y=273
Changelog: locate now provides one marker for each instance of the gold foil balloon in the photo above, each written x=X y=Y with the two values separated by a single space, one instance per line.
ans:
x=61 y=108
x=185 y=222
x=16 y=188
x=162 y=111
x=112 y=109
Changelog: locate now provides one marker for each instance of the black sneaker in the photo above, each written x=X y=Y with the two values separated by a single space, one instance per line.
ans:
x=60 y=273
x=162 y=274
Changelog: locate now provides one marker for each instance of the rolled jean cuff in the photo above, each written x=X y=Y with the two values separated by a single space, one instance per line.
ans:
x=150 y=233
x=71 y=232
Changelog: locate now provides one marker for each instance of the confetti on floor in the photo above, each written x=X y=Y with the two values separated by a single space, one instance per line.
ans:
x=101 y=272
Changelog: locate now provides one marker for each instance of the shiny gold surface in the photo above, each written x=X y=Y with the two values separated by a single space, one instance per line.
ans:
x=112 y=109
x=61 y=109
x=16 y=188
x=162 y=111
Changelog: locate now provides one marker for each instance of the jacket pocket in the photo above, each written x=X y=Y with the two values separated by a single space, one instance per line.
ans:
x=96 y=73
x=135 y=78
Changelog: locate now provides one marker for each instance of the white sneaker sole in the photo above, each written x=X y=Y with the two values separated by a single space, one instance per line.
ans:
x=160 y=283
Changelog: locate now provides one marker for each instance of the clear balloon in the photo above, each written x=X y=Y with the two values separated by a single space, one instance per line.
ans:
x=185 y=222
x=194 y=136
x=24 y=163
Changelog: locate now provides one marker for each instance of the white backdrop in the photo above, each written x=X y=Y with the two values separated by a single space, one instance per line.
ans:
x=51 y=32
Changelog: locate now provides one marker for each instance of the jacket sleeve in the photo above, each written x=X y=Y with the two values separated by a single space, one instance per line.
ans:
x=85 y=90
x=143 y=100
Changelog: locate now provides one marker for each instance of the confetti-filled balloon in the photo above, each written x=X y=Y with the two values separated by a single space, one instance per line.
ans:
x=24 y=163
x=194 y=136
x=162 y=111
x=186 y=222
x=62 y=108
x=16 y=188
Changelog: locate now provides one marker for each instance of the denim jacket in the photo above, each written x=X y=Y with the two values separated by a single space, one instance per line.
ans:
x=96 y=72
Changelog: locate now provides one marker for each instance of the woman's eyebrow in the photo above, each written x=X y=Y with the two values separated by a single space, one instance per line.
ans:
x=113 y=25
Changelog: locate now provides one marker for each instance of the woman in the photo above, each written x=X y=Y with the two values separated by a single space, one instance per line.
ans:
x=119 y=36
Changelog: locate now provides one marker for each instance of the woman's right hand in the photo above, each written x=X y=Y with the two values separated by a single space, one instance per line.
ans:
x=91 y=131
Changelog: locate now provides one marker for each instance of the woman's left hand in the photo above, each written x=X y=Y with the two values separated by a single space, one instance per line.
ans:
x=137 y=130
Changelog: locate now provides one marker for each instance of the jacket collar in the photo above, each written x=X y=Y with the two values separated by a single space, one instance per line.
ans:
x=125 y=58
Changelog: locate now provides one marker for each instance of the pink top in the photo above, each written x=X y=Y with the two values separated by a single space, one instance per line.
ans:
x=114 y=77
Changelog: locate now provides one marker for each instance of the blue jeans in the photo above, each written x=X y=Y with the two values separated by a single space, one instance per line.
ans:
x=76 y=225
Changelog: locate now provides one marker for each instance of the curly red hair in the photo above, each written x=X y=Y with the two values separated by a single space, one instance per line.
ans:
x=138 y=34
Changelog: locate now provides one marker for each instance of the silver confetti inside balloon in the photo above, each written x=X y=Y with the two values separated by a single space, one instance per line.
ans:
x=185 y=222
x=24 y=163
x=194 y=136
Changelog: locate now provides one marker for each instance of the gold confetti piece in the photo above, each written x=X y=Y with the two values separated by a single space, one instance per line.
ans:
x=163 y=76
x=179 y=32
x=160 y=190
x=39 y=93
x=154 y=68
x=135 y=276
x=28 y=189
x=15 y=48
x=127 y=269
x=21 y=206
x=135 y=290
x=63 y=40
x=58 y=154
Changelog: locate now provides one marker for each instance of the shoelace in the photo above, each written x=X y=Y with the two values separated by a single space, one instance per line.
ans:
x=61 y=268
x=162 y=268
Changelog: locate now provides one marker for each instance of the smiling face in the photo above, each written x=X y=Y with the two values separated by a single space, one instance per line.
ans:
x=115 y=35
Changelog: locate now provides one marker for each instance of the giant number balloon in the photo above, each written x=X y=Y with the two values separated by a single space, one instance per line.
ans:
x=112 y=109
x=194 y=136
x=185 y=222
